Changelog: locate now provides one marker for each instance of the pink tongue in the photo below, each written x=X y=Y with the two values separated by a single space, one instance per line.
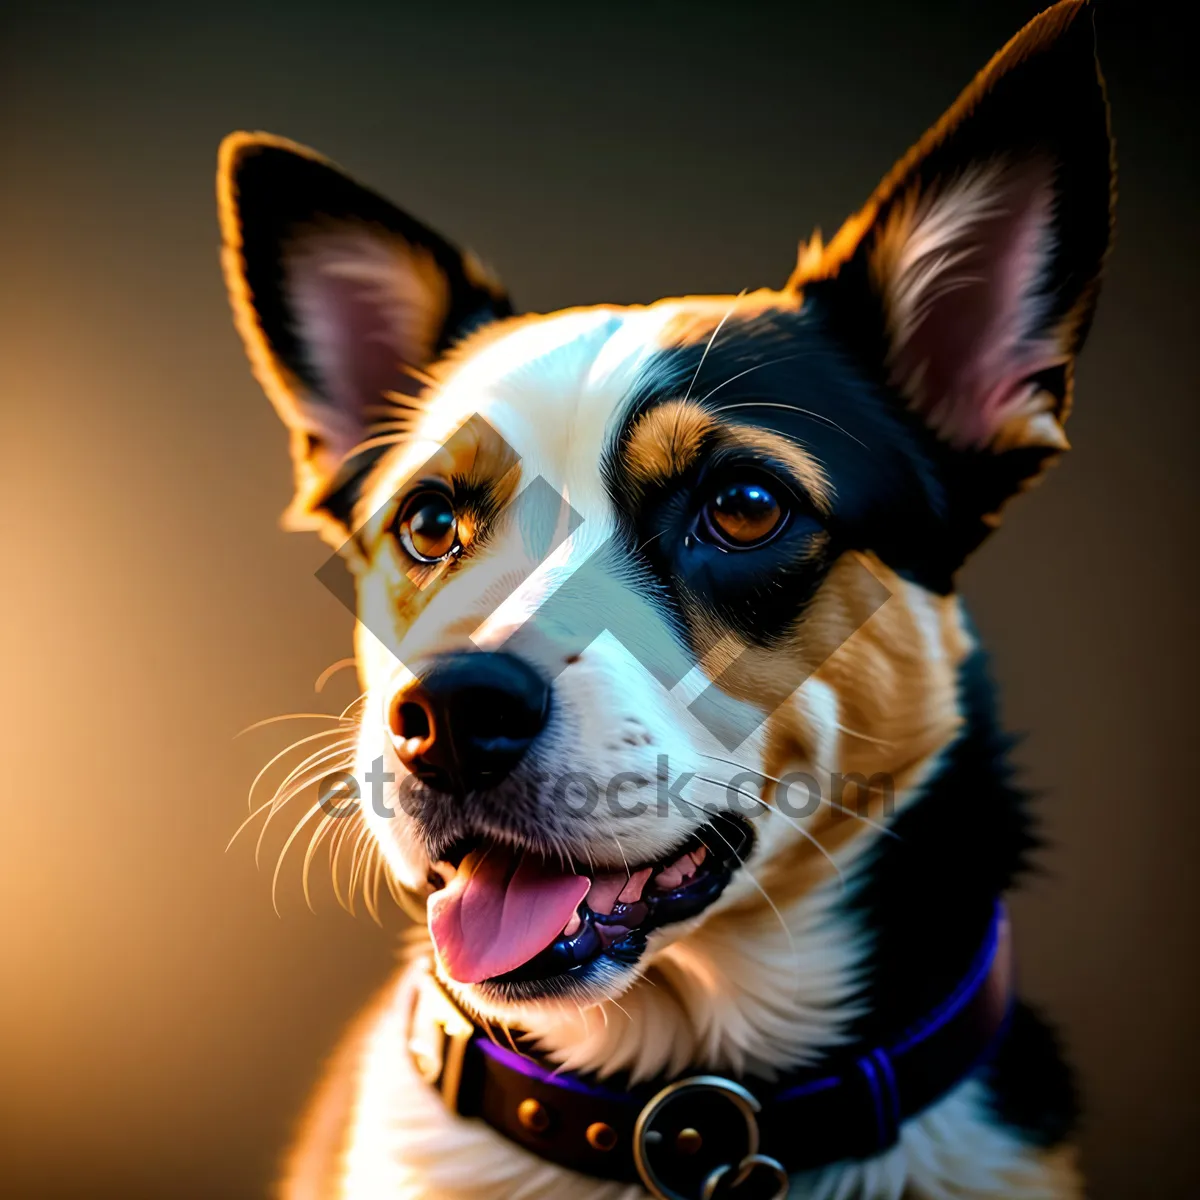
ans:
x=490 y=918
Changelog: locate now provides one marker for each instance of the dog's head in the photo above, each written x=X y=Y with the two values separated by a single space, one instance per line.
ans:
x=622 y=570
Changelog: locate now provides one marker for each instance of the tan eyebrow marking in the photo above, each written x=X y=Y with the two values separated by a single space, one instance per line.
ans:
x=793 y=456
x=669 y=439
x=666 y=441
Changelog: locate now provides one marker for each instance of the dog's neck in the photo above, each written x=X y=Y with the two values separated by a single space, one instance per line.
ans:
x=746 y=993
x=758 y=990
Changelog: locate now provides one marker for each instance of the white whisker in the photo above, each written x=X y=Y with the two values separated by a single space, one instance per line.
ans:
x=283 y=854
x=804 y=833
x=302 y=716
x=754 y=880
x=806 y=412
x=298 y=781
x=709 y=344
x=864 y=737
x=774 y=779
x=331 y=670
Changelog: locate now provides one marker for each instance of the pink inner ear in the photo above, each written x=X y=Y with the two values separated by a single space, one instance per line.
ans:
x=362 y=310
x=968 y=321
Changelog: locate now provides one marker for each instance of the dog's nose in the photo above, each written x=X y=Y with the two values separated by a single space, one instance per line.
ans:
x=467 y=718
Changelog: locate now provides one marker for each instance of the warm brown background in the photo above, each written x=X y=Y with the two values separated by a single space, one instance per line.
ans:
x=158 y=1023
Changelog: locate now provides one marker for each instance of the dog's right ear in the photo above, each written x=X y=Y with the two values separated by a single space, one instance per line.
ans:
x=340 y=298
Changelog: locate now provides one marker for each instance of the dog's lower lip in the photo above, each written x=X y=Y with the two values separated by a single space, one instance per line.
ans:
x=620 y=933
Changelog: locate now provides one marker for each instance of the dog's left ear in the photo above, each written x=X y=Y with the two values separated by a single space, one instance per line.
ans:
x=340 y=297
x=969 y=279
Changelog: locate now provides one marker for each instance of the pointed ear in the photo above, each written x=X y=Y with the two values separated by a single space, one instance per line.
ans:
x=969 y=279
x=340 y=298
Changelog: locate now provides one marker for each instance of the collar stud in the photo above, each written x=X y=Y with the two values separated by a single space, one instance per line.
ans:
x=601 y=1137
x=533 y=1115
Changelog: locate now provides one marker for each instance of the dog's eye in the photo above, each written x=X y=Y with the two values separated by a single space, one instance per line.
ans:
x=428 y=526
x=742 y=515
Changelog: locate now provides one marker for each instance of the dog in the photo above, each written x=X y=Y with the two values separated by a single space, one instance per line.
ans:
x=626 y=578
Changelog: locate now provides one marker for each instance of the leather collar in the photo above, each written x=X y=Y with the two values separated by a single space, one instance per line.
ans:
x=707 y=1136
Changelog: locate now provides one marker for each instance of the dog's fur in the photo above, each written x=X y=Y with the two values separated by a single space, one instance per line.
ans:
x=907 y=380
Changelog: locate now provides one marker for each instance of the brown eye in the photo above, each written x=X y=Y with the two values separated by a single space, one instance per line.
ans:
x=428 y=527
x=742 y=515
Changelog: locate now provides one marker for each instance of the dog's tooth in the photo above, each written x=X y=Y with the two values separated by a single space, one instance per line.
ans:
x=573 y=926
x=631 y=893
x=698 y=856
x=669 y=877
x=604 y=892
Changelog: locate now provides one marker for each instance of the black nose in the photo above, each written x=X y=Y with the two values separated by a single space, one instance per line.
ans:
x=467 y=718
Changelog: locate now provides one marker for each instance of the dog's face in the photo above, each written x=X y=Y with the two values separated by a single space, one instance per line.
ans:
x=621 y=570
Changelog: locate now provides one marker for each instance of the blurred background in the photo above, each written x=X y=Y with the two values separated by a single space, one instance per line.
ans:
x=159 y=1024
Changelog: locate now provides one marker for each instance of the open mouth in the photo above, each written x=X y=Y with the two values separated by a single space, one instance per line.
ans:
x=511 y=916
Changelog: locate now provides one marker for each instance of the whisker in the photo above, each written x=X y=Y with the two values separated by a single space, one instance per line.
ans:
x=354 y=835
x=804 y=833
x=805 y=412
x=621 y=851
x=511 y=1043
x=283 y=854
x=379 y=869
x=344 y=739
x=884 y=829
x=331 y=670
x=298 y=780
x=342 y=746
x=271 y=803
x=323 y=828
x=391 y=407
x=382 y=441
x=709 y=344
x=336 y=844
x=363 y=846
x=588 y=851
x=865 y=737
x=653 y=537
x=419 y=375
x=621 y=1007
x=762 y=890
x=379 y=428
x=254 y=813
x=772 y=362
x=302 y=716
x=312 y=737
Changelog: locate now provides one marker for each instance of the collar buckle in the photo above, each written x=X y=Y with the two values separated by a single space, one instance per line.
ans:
x=438 y=1034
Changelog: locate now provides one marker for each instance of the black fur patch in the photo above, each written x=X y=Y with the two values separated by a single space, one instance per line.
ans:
x=927 y=896
x=1030 y=1085
x=782 y=372
x=351 y=482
